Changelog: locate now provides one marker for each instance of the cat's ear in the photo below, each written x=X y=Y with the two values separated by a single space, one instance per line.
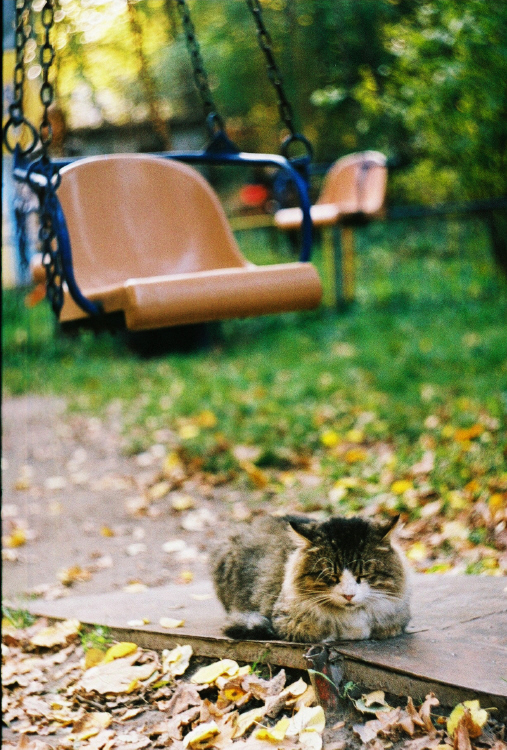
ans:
x=384 y=528
x=304 y=528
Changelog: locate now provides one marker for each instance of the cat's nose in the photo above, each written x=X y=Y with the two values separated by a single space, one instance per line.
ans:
x=348 y=597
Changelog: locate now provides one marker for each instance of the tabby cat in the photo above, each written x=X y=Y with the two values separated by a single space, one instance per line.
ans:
x=298 y=579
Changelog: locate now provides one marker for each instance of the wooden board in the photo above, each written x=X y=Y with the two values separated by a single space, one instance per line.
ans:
x=456 y=645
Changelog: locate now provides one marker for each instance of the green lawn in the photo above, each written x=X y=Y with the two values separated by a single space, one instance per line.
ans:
x=417 y=366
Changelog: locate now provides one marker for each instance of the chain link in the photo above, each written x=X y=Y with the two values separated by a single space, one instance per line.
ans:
x=274 y=74
x=16 y=114
x=51 y=258
x=22 y=17
x=46 y=58
x=214 y=120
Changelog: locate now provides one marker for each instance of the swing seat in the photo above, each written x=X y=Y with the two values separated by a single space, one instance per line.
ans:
x=150 y=239
x=355 y=186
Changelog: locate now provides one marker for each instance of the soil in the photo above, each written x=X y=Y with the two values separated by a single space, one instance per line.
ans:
x=68 y=484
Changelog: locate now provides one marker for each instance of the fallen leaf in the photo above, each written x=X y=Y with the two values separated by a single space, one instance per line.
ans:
x=368 y=731
x=461 y=735
x=476 y=718
x=176 y=661
x=247 y=720
x=90 y=725
x=170 y=622
x=201 y=733
x=118 y=676
x=93 y=656
x=307 y=719
x=208 y=675
x=56 y=635
x=274 y=734
x=118 y=651
x=182 y=502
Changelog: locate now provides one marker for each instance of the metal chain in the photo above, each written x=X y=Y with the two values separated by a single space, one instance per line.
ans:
x=274 y=74
x=51 y=258
x=16 y=114
x=47 y=56
x=23 y=8
x=214 y=120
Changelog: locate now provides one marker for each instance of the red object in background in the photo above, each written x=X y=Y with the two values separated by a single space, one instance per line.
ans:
x=253 y=195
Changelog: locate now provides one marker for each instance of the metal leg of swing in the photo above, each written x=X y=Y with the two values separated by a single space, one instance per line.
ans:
x=347 y=264
x=339 y=266
x=330 y=268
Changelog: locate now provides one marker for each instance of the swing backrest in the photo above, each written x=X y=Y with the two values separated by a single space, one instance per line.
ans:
x=139 y=216
x=356 y=183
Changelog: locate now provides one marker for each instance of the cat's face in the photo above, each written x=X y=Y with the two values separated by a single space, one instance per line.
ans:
x=346 y=562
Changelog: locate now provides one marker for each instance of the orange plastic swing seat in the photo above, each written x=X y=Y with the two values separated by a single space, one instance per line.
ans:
x=149 y=237
x=354 y=185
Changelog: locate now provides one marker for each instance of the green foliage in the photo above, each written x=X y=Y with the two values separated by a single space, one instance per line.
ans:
x=98 y=637
x=18 y=618
x=447 y=88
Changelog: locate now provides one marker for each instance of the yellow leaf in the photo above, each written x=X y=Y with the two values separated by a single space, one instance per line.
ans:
x=417 y=552
x=188 y=431
x=462 y=436
x=106 y=531
x=16 y=538
x=401 y=486
x=354 y=455
x=207 y=675
x=274 y=734
x=93 y=657
x=497 y=502
x=170 y=622
x=256 y=475
x=246 y=720
x=207 y=419
x=355 y=436
x=172 y=463
x=477 y=718
x=182 y=502
x=187 y=576
x=234 y=693
x=330 y=438
x=158 y=490
x=118 y=651
x=200 y=733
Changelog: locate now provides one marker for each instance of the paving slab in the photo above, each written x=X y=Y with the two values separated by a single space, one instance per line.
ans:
x=456 y=644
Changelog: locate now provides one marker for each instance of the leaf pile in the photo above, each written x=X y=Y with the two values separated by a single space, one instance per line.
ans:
x=127 y=697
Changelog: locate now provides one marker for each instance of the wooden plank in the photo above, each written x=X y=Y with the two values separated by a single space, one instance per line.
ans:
x=457 y=646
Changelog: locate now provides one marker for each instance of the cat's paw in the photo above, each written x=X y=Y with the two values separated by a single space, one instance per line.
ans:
x=250 y=626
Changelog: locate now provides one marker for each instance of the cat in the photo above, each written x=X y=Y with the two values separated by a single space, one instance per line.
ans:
x=293 y=578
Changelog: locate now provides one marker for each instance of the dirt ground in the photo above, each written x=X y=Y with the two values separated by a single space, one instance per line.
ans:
x=75 y=499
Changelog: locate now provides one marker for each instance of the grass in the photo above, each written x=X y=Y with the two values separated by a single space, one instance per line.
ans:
x=419 y=357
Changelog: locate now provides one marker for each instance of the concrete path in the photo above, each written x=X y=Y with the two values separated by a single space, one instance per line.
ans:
x=456 y=645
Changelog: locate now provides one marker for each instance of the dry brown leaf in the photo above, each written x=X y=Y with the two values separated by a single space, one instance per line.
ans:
x=461 y=734
x=56 y=635
x=118 y=676
x=427 y=742
x=185 y=696
x=90 y=725
x=368 y=731
x=425 y=712
x=27 y=744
